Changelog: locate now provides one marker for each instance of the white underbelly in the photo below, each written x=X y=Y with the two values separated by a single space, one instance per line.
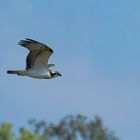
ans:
x=39 y=74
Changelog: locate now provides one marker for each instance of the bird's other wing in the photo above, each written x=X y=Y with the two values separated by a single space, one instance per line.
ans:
x=31 y=45
x=39 y=54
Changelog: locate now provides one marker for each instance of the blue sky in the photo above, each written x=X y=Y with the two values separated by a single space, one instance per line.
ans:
x=96 y=48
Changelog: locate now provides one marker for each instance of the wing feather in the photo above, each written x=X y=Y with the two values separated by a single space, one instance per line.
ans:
x=31 y=58
x=34 y=45
x=41 y=60
x=39 y=54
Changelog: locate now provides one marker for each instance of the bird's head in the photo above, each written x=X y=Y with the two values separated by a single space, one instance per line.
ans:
x=55 y=74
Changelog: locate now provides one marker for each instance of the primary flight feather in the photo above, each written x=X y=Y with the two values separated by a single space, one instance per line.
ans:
x=37 y=61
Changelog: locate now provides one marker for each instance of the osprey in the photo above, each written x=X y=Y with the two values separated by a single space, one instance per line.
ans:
x=37 y=61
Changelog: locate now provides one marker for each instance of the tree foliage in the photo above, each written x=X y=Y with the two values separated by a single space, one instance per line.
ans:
x=69 y=128
x=6 y=131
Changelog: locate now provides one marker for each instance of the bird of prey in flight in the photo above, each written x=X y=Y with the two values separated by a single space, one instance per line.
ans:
x=37 y=61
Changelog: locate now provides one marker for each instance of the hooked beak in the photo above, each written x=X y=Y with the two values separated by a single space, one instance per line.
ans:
x=60 y=74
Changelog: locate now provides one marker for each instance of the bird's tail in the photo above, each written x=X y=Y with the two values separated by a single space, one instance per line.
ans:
x=18 y=72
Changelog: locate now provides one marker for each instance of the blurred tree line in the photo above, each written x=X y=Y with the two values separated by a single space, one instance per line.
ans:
x=69 y=128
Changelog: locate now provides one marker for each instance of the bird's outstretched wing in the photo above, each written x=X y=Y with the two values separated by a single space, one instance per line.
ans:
x=39 y=54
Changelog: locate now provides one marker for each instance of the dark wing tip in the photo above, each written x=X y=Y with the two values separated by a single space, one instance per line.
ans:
x=25 y=42
x=22 y=42
x=31 y=40
x=28 y=41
